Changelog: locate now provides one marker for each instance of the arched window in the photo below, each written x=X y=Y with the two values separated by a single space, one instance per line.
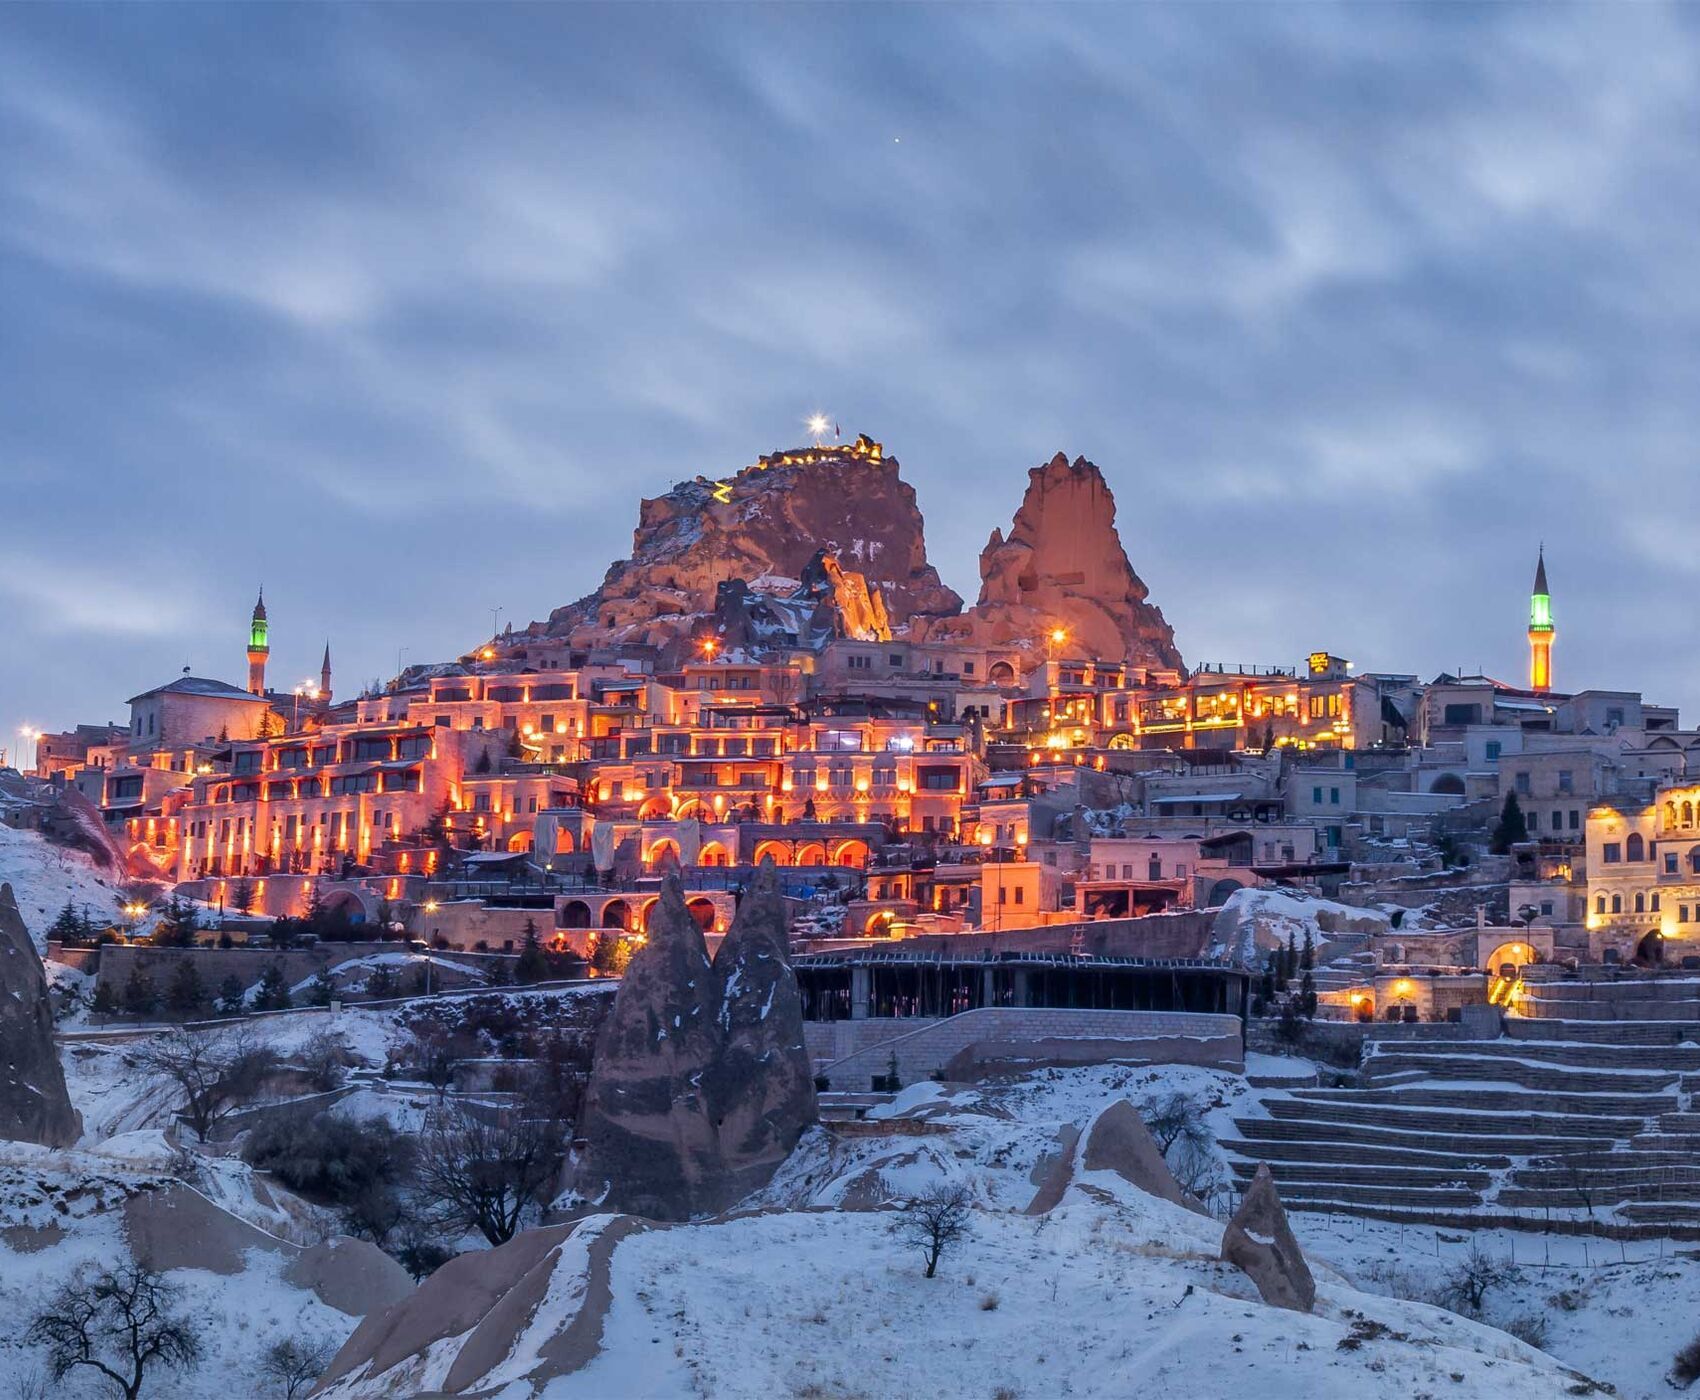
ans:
x=1653 y=903
x=1617 y=904
x=1635 y=848
x=1600 y=904
x=1694 y=859
x=1688 y=814
x=1640 y=903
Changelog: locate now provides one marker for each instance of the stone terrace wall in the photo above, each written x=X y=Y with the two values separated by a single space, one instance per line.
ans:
x=925 y=1046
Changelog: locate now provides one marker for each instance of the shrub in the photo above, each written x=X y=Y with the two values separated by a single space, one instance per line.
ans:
x=1685 y=1369
x=330 y=1157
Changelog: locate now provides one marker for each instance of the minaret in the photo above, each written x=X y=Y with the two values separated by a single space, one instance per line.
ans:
x=325 y=677
x=258 y=647
x=1541 y=630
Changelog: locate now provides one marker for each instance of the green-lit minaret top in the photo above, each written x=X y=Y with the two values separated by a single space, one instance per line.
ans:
x=257 y=626
x=1540 y=601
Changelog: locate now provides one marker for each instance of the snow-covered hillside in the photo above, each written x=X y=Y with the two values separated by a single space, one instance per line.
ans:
x=44 y=876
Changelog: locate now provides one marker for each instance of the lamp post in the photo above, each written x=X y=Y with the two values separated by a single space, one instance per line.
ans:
x=30 y=735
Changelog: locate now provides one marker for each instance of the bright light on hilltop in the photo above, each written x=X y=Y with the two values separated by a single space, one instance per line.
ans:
x=819 y=426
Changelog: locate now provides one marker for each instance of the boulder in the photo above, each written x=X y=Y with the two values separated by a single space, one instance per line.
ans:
x=34 y=1104
x=1062 y=565
x=651 y=1144
x=761 y=1087
x=1117 y=1141
x=1259 y=1242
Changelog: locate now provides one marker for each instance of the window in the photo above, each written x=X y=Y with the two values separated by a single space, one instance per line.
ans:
x=1653 y=903
x=1566 y=781
x=1546 y=907
x=967 y=668
x=1316 y=796
x=1612 y=852
x=1575 y=819
x=1670 y=863
x=1617 y=904
x=1600 y=905
x=895 y=659
x=1522 y=780
x=1333 y=797
x=1635 y=848
x=1493 y=749
x=1534 y=822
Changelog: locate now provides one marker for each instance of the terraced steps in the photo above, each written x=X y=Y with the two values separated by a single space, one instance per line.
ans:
x=1473 y=1147
x=1475 y=1122
x=1274 y=1150
x=1569 y=1054
x=1349 y=1175
x=1626 y=1106
x=1623 y=1033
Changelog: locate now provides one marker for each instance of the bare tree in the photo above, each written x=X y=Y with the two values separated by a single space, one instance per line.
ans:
x=1465 y=1289
x=934 y=1221
x=215 y=1070
x=485 y=1171
x=295 y=1365
x=119 y=1322
x=1174 y=1118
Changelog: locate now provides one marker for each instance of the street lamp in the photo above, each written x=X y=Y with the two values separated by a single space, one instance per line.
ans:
x=29 y=734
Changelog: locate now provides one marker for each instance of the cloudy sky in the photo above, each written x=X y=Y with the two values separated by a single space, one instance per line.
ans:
x=399 y=310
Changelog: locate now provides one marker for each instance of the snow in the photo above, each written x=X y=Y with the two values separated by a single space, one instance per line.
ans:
x=44 y=876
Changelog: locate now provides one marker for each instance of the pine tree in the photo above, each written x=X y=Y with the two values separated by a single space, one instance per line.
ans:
x=242 y=895
x=1290 y=959
x=322 y=991
x=611 y=954
x=139 y=998
x=532 y=965
x=68 y=926
x=273 y=992
x=1307 y=956
x=230 y=995
x=381 y=983
x=1307 y=995
x=105 y=1000
x=178 y=924
x=1512 y=828
x=185 y=994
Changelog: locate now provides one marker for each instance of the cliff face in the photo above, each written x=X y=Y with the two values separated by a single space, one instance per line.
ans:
x=1062 y=565
x=767 y=523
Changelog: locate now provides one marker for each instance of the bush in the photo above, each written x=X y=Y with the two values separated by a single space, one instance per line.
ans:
x=329 y=1157
x=1527 y=1327
x=1685 y=1369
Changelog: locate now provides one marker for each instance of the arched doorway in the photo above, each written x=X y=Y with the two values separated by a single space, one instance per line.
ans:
x=616 y=913
x=646 y=912
x=851 y=853
x=660 y=852
x=656 y=809
x=520 y=841
x=774 y=851
x=575 y=913
x=1513 y=955
x=1001 y=673
x=702 y=910
x=879 y=923
x=1448 y=784
x=1220 y=892
x=811 y=853
x=714 y=853
x=563 y=841
x=1651 y=949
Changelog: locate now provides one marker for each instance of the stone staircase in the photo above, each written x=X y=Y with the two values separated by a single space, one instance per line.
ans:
x=1576 y=1126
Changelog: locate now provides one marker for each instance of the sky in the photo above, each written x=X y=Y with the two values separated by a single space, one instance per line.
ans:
x=399 y=310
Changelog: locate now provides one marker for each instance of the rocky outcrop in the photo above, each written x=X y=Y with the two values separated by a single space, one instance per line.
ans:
x=34 y=1105
x=1259 y=1242
x=761 y=1086
x=518 y=1316
x=651 y=1144
x=701 y=1084
x=1117 y=1141
x=763 y=525
x=1062 y=565
x=826 y=603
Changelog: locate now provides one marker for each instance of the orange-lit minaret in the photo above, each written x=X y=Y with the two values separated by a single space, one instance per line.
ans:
x=1541 y=631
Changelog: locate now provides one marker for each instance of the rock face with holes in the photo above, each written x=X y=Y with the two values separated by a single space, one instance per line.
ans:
x=34 y=1104
x=651 y=1144
x=1259 y=1242
x=761 y=1086
x=766 y=525
x=1062 y=566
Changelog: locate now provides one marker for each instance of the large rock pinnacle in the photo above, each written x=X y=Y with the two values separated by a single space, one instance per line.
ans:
x=34 y=1104
x=761 y=1087
x=651 y=1147
x=1062 y=566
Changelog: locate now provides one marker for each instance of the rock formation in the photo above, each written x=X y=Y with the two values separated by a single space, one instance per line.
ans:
x=1259 y=1242
x=1118 y=1141
x=827 y=602
x=34 y=1105
x=764 y=525
x=1062 y=565
x=651 y=1146
x=701 y=1084
x=761 y=1086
